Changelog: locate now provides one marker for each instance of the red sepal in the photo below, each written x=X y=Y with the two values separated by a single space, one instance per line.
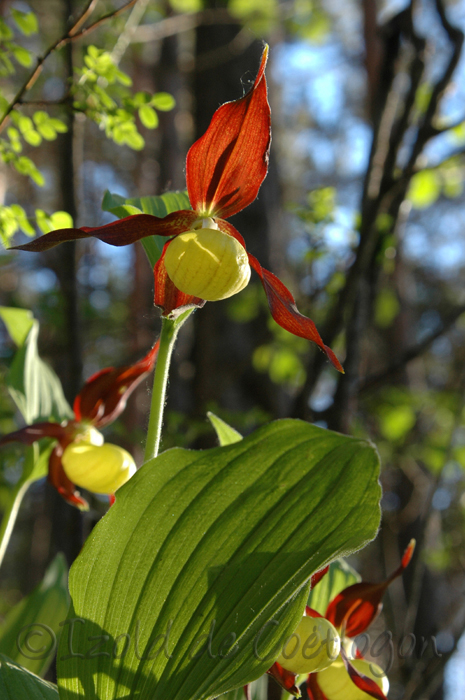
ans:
x=111 y=499
x=58 y=478
x=117 y=233
x=316 y=578
x=167 y=296
x=367 y=685
x=247 y=693
x=286 y=679
x=314 y=691
x=358 y=605
x=310 y=612
x=227 y=165
x=37 y=431
x=104 y=395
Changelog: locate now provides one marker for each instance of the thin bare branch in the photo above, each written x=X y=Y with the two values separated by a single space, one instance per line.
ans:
x=70 y=35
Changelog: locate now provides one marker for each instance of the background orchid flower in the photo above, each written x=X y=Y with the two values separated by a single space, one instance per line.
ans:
x=205 y=257
x=80 y=455
x=351 y=612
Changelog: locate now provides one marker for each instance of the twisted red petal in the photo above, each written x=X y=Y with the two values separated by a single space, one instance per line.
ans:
x=281 y=302
x=247 y=693
x=366 y=684
x=118 y=233
x=227 y=165
x=286 y=679
x=37 y=431
x=58 y=479
x=167 y=296
x=314 y=691
x=309 y=612
x=358 y=605
x=104 y=395
x=284 y=311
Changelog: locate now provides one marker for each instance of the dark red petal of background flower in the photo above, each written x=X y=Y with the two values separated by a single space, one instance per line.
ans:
x=118 y=233
x=314 y=691
x=316 y=578
x=227 y=165
x=58 y=479
x=104 y=395
x=32 y=433
x=361 y=681
x=286 y=679
x=357 y=606
x=168 y=297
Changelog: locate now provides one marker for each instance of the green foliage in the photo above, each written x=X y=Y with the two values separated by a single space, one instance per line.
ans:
x=320 y=207
x=102 y=94
x=16 y=683
x=216 y=542
x=156 y=206
x=386 y=308
x=13 y=219
x=50 y=222
x=32 y=384
x=427 y=185
x=425 y=188
x=340 y=576
x=397 y=421
x=186 y=5
x=226 y=434
x=25 y=23
x=27 y=635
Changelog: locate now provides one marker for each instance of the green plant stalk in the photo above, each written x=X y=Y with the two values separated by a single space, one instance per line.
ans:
x=10 y=515
x=169 y=332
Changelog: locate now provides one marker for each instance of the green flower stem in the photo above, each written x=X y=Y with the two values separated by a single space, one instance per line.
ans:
x=169 y=332
x=10 y=515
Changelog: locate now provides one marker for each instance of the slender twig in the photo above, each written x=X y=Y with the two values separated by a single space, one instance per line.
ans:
x=71 y=35
x=128 y=32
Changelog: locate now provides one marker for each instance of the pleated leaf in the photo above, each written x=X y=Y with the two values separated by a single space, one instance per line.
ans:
x=17 y=683
x=190 y=585
x=28 y=634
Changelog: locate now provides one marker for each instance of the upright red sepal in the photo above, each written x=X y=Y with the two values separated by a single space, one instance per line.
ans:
x=227 y=165
x=358 y=605
x=104 y=395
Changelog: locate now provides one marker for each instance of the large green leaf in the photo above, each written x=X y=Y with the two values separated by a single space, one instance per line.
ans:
x=33 y=385
x=340 y=576
x=219 y=542
x=17 y=683
x=157 y=206
x=28 y=634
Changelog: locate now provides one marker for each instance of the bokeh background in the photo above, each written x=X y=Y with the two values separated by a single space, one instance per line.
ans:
x=362 y=215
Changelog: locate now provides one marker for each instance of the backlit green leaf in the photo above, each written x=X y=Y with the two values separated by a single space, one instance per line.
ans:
x=16 y=683
x=212 y=545
x=28 y=633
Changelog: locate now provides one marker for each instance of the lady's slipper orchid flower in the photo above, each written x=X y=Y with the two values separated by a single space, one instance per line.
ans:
x=351 y=612
x=205 y=258
x=80 y=456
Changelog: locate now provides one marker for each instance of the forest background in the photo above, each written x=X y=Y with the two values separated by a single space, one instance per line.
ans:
x=361 y=215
